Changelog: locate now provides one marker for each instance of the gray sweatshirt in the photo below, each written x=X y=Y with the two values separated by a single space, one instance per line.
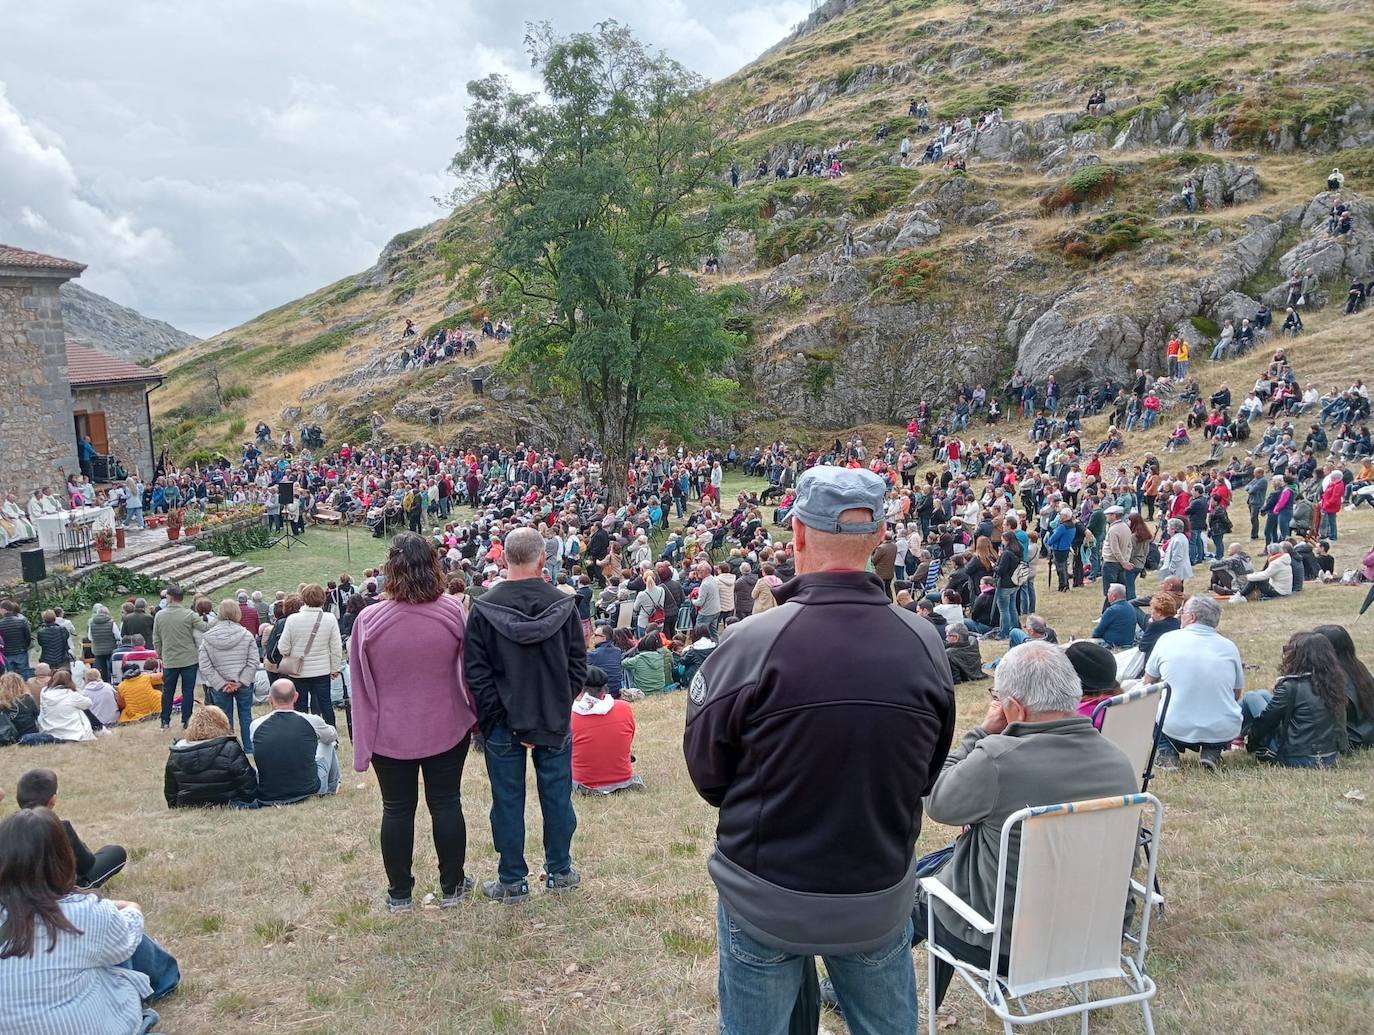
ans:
x=990 y=776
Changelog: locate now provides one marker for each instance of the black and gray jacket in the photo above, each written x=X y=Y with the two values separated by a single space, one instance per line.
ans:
x=816 y=727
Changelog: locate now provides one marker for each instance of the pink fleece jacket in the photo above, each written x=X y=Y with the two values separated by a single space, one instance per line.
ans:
x=410 y=699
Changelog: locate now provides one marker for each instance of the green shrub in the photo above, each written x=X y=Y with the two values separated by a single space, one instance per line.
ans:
x=1104 y=236
x=236 y=392
x=1087 y=184
x=1205 y=326
x=102 y=583
x=778 y=243
x=236 y=427
x=289 y=357
x=970 y=100
x=236 y=541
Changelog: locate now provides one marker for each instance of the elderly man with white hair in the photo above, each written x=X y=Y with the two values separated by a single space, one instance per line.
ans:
x=1203 y=670
x=1032 y=748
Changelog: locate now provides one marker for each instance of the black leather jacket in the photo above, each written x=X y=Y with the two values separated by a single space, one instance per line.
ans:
x=1300 y=720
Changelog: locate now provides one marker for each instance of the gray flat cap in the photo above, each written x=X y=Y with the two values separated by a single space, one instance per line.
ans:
x=824 y=493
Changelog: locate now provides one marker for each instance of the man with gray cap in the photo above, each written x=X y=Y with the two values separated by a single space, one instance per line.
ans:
x=1116 y=552
x=815 y=728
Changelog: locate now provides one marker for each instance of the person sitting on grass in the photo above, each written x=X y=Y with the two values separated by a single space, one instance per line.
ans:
x=1163 y=619
x=961 y=649
x=603 y=732
x=208 y=766
x=1096 y=668
x=38 y=789
x=139 y=694
x=648 y=668
x=700 y=647
x=61 y=713
x=1300 y=724
x=1117 y=626
x=69 y=961
x=1275 y=579
x=297 y=754
x=104 y=711
x=1204 y=671
x=606 y=656
x=18 y=705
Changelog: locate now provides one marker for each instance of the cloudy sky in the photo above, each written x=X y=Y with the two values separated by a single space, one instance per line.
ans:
x=211 y=160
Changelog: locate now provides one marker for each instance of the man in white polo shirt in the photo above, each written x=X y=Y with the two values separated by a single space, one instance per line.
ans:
x=1204 y=670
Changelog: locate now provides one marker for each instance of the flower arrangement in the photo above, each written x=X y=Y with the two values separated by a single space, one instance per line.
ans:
x=104 y=540
x=176 y=517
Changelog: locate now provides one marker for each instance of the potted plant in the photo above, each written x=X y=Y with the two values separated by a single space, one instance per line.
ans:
x=175 y=517
x=104 y=541
x=194 y=519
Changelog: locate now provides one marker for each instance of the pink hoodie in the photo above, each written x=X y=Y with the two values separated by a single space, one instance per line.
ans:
x=410 y=698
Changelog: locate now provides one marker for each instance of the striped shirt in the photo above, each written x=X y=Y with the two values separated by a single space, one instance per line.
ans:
x=79 y=988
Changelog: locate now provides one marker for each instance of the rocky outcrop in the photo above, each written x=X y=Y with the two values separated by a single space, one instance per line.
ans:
x=117 y=329
x=1073 y=345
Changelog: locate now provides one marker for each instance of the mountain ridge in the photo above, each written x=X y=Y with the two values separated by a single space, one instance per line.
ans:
x=117 y=329
x=1065 y=246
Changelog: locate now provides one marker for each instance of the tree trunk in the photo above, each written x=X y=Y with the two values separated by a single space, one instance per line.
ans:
x=613 y=466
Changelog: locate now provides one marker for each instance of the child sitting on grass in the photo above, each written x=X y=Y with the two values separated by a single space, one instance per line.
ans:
x=38 y=788
x=603 y=731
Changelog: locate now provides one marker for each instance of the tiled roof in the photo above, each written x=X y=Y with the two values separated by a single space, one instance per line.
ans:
x=88 y=366
x=25 y=259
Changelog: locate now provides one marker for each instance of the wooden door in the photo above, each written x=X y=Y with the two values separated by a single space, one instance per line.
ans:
x=92 y=423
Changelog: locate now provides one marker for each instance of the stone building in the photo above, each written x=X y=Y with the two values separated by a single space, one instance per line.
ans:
x=54 y=391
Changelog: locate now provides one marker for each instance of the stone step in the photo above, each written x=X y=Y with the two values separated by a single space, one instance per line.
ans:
x=184 y=569
x=233 y=572
x=144 y=563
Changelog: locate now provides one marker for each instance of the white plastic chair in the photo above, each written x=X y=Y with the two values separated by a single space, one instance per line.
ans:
x=1131 y=720
x=1073 y=878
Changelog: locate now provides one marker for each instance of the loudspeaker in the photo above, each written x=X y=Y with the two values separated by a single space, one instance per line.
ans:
x=286 y=493
x=32 y=564
x=100 y=468
x=477 y=385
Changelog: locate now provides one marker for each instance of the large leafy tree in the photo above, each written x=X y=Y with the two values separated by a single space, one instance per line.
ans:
x=606 y=192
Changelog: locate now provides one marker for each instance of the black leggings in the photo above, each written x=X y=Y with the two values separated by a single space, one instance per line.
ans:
x=398 y=779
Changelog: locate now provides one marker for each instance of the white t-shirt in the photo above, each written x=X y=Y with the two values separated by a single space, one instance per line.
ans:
x=950 y=612
x=1204 y=671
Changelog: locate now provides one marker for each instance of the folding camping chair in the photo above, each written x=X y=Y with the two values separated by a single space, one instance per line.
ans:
x=1073 y=879
x=1132 y=721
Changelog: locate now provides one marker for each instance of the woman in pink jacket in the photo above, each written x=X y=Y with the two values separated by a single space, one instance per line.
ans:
x=413 y=714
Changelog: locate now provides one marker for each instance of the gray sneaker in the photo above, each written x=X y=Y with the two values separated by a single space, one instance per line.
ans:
x=464 y=891
x=1211 y=759
x=397 y=905
x=509 y=894
x=561 y=882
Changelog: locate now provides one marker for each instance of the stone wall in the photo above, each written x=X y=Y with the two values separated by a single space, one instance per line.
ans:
x=126 y=422
x=37 y=437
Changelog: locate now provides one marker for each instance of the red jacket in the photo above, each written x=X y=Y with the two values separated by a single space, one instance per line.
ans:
x=601 y=746
x=1333 y=496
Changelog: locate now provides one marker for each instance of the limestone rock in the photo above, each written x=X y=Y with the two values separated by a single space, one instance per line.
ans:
x=1235 y=307
x=1070 y=348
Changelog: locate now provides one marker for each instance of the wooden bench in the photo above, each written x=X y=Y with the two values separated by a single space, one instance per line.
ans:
x=327 y=516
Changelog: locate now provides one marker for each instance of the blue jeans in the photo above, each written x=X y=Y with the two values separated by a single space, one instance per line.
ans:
x=1147 y=419
x=1195 y=546
x=505 y=758
x=1285 y=522
x=19 y=664
x=242 y=701
x=186 y=677
x=1006 y=611
x=759 y=985
x=1328 y=526
x=157 y=964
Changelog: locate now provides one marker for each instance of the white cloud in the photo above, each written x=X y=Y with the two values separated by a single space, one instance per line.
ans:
x=210 y=161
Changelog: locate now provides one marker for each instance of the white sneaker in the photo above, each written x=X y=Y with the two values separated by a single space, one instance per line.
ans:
x=1237 y=598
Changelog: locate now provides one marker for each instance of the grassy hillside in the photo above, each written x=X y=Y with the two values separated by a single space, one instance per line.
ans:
x=1190 y=84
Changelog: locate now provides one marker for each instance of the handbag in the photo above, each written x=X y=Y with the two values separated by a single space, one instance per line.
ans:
x=291 y=664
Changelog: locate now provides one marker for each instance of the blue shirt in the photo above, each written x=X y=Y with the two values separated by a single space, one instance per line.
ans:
x=1117 y=625
x=607 y=657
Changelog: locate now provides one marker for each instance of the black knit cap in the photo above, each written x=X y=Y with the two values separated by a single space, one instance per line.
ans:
x=1095 y=665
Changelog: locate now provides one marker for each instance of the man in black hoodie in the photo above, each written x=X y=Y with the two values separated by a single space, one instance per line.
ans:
x=815 y=728
x=525 y=660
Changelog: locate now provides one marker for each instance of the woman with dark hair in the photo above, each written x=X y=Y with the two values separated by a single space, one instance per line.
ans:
x=700 y=648
x=413 y=714
x=1359 y=687
x=1301 y=724
x=69 y=961
x=354 y=607
x=1008 y=561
